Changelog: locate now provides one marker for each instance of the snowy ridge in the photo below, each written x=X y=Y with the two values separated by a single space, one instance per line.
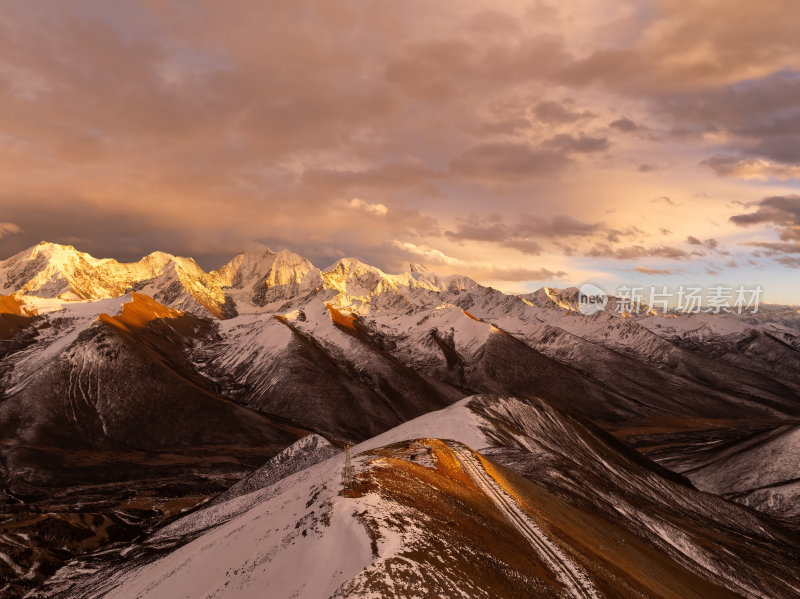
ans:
x=418 y=336
x=73 y=319
x=286 y=539
x=304 y=453
x=269 y=347
x=572 y=577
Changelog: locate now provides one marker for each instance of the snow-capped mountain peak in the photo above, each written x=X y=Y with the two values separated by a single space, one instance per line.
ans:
x=257 y=279
x=53 y=270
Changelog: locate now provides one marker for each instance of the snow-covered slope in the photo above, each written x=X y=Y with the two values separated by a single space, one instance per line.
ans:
x=434 y=518
x=53 y=271
x=313 y=346
x=350 y=352
x=258 y=281
x=759 y=469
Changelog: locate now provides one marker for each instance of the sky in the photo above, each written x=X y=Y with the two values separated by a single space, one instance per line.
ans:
x=520 y=143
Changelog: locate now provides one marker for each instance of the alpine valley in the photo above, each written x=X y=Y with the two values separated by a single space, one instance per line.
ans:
x=171 y=432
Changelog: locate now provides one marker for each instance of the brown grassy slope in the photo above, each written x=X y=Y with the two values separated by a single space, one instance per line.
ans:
x=14 y=316
x=468 y=543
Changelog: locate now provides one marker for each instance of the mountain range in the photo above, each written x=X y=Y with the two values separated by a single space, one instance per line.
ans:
x=131 y=393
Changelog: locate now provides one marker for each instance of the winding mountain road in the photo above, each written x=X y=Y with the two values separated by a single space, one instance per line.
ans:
x=567 y=571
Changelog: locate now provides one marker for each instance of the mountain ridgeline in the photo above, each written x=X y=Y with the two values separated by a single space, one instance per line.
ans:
x=130 y=392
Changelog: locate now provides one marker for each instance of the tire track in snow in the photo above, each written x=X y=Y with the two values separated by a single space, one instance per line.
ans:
x=573 y=578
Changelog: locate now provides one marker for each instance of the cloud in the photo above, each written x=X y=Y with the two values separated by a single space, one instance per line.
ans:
x=646 y=270
x=616 y=235
x=779 y=210
x=708 y=74
x=646 y=168
x=665 y=200
x=492 y=229
x=790 y=261
x=756 y=108
x=751 y=169
x=756 y=120
x=503 y=162
x=624 y=124
x=498 y=273
x=783 y=213
x=378 y=209
x=776 y=247
x=686 y=45
x=581 y=144
x=426 y=252
x=477 y=270
x=547 y=111
x=784 y=149
x=558 y=226
x=9 y=229
x=409 y=172
x=525 y=234
x=710 y=244
x=197 y=129
x=636 y=251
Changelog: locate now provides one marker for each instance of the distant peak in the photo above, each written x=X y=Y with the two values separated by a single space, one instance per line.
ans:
x=57 y=252
x=259 y=251
x=350 y=264
x=289 y=255
x=54 y=246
